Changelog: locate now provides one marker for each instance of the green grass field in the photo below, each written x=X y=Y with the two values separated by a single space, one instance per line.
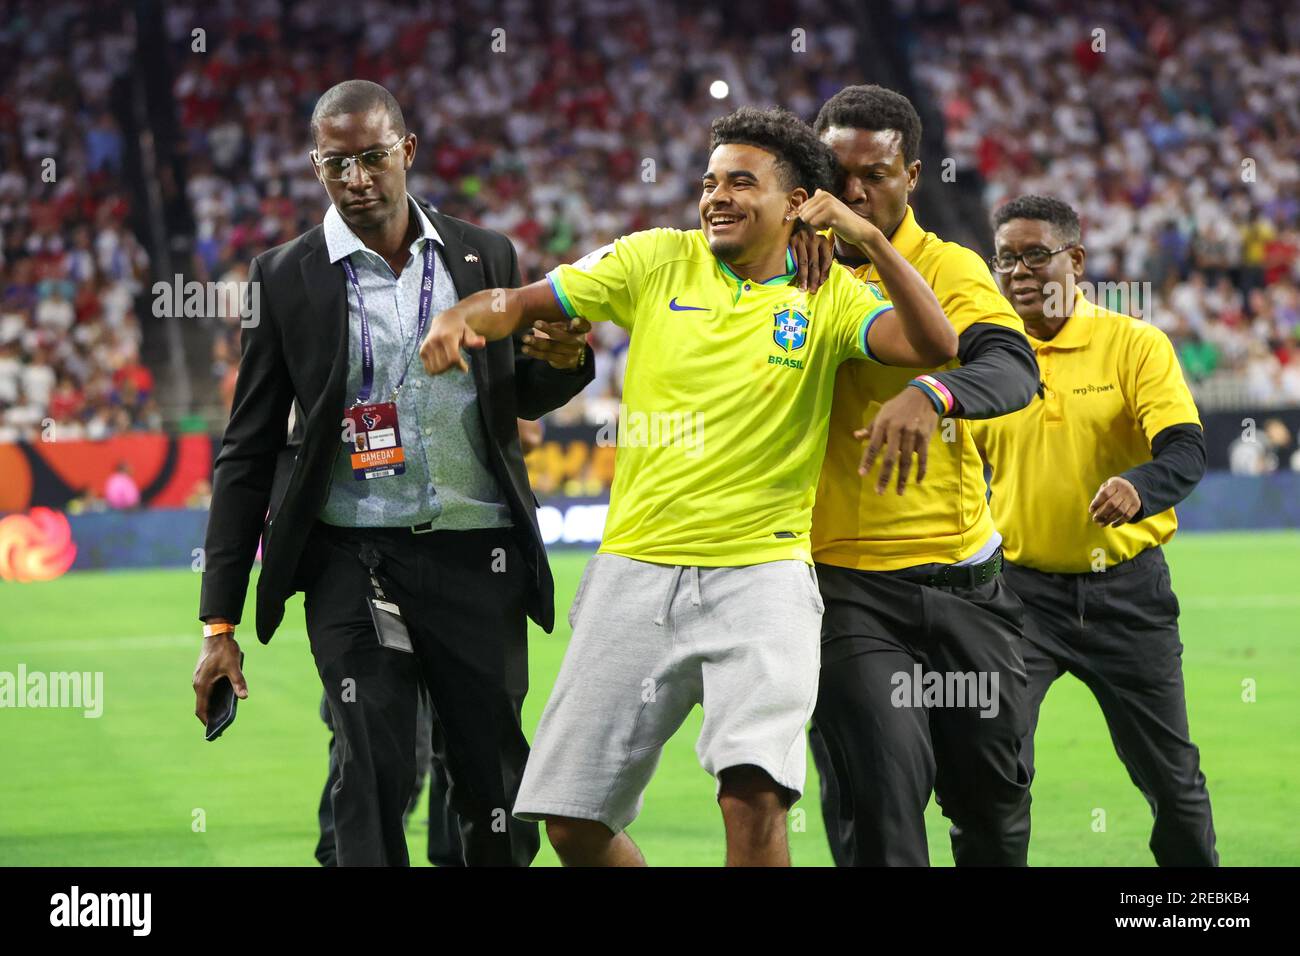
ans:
x=123 y=789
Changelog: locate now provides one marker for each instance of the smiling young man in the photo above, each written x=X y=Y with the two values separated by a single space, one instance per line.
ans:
x=1121 y=440
x=911 y=584
x=702 y=590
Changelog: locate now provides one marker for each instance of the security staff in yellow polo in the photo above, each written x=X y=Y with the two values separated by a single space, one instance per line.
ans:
x=912 y=584
x=1084 y=484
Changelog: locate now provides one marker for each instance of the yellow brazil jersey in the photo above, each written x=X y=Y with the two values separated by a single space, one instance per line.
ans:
x=1112 y=384
x=726 y=397
x=945 y=518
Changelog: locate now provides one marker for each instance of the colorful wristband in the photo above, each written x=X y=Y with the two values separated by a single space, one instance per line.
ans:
x=213 y=630
x=936 y=391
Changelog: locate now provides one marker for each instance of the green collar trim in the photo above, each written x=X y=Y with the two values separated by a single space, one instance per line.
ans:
x=782 y=279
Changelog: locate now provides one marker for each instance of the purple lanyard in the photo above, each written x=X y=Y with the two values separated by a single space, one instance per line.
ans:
x=367 y=349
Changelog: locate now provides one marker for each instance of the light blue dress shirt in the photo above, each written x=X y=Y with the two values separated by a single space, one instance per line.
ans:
x=448 y=480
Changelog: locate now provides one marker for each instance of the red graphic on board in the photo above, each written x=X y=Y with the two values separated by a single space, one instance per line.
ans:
x=36 y=546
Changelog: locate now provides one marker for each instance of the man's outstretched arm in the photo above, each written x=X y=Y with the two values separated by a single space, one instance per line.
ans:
x=553 y=363
x=484 y=317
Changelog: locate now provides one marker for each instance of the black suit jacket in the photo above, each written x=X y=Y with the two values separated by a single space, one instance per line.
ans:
x=270 y=484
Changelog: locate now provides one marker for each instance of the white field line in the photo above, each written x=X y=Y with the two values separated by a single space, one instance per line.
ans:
x=1245 y=601
x=153 y=642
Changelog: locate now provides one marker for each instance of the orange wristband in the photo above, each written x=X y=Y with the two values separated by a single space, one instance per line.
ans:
x=213 y=630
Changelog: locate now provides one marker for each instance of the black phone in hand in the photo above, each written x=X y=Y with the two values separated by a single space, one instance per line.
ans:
x=221 y=705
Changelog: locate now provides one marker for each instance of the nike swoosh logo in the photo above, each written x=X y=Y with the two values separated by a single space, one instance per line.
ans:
x=686 y=308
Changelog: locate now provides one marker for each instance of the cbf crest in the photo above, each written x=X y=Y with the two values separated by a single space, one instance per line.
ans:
x=790 y=329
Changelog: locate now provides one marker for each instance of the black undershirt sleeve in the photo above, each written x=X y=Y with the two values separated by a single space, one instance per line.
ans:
x=998 y=373
x=1177 y=464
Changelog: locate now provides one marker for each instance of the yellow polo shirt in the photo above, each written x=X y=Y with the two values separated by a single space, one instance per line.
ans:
x=1113 y=384
x=945 y=518
x=726 y=398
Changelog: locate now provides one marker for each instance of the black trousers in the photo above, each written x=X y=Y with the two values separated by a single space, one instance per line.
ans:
x=461 y=594
x=444 y=846
x=1117 y=632
x=880 y=754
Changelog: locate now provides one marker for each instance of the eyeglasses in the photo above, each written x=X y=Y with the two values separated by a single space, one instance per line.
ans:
x=1034 y=258
x=338 y=168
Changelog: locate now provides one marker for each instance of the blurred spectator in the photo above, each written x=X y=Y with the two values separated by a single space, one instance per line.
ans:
x=200 y=495
x=121 y=491
x=85 y=500
x=1264 y=451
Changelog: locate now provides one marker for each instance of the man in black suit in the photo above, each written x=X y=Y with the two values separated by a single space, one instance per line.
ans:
x=443 y=847
x=399 y=506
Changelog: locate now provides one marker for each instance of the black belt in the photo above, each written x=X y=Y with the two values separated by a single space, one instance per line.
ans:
x=398 y=531
x=403 y=532
x=967 y=575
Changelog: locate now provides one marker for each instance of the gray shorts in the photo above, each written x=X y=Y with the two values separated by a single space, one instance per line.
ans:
x=650 y=641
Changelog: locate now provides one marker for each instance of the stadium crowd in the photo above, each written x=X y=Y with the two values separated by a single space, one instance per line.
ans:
x=70 y=268
x=567 y=125
x=586 y=124
x=1177 y=138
